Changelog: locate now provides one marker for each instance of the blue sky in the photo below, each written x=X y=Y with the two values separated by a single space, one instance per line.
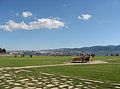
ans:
x=49 y=24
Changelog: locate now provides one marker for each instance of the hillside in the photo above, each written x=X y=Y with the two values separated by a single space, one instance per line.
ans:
x=98 y=50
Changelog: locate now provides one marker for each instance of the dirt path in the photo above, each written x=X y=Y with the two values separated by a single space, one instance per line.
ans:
x=65 y=64
x=114 y=59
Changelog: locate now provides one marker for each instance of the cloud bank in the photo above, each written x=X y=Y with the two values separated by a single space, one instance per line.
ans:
x=85 y=17
x=37 y=24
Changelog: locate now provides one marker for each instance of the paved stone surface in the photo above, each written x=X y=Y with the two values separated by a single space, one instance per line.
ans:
x=25 y=79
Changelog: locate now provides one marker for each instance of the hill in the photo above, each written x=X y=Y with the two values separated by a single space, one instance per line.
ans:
x=98 y=50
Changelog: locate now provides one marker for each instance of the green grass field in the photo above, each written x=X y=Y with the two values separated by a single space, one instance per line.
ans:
x=109 y=72
x=102 y=72
x=10 y=61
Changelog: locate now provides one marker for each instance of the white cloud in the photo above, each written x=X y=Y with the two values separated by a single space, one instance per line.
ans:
x=38 y=24
x=26 y=14
x=85 y=17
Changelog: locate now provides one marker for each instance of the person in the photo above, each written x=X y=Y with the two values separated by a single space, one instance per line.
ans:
x=82 y=56
x=87 y=57
x=91 y=56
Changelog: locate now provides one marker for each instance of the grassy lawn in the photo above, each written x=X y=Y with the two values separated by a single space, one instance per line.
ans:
x=29 y=79
x=110 y=59
x=10 y=61
x=106 y=72
x=102 y=72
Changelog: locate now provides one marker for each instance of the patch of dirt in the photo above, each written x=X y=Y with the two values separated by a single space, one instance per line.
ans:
x=65 y=64
x=97 y=62
x=114 y=59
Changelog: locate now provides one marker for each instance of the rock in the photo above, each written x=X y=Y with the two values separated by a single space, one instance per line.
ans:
x=25 y=79
x=45 y=80
x=30 y=84
x=7 y=75
x=39 y=83
x=86 y=87
x=39 y=78
x=116 y=84
x=98 y=81
x=17 y=88
x=68 y=81
x=31 y=88
x=79 y=85
x=64 y=79
x=70 y=87
x=117 y=87
x=88 y=82
x=50 y=85
x=35 y=80
x=11 y=83
x=63 y=86
x=17 y=84
x=7 y=87
x=54 y=88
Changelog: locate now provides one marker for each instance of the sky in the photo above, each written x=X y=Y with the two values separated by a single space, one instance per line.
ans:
x=51 y=24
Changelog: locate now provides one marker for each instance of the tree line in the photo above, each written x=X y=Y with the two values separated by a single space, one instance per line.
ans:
x=2 y=50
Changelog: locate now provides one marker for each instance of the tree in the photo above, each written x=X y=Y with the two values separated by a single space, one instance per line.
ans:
x=2 y=50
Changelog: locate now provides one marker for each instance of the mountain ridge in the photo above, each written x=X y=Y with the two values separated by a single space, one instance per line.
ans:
x=99 y=50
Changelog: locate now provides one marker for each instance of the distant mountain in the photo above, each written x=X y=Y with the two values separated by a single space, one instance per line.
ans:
x=98 y=50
